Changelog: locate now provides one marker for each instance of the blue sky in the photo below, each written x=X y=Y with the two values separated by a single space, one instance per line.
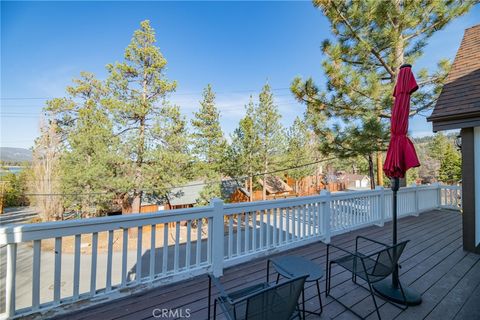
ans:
x=235 y=46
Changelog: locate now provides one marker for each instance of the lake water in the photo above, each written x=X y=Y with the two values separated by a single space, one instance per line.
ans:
x=7 y=170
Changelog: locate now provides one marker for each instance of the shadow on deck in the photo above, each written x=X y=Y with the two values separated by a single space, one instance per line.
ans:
x=433 y=263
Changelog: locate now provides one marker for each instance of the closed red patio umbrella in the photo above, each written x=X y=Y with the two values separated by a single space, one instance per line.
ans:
x=401 y=156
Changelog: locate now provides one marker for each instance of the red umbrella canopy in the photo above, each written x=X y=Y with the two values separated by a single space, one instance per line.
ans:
x=401 y=154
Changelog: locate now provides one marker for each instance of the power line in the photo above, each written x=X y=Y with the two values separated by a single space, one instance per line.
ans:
x=172 y=93
x=226 y=108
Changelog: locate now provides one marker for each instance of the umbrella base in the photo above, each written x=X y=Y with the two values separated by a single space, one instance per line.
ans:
x=385 y=289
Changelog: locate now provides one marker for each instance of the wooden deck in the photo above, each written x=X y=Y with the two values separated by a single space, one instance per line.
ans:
x=433 y=264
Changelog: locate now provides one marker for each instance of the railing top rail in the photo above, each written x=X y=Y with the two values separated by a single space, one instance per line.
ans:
x=232 y=208
x=451 y=187
x=46 y=230
x=27 y=232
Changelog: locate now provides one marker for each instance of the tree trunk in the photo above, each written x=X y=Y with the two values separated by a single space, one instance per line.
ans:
x=126 y=204
x=379 y=168
x=137 y=194
x=264 y=187
x=137 y=202
x=250 y=186
x=370 y=171
x=398 y=60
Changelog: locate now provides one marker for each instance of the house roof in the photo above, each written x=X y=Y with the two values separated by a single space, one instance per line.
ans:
x=188 y=194
x=275 y=185
x=458 y=105
x=228 y=187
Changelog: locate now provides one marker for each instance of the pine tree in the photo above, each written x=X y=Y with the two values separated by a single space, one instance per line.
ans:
x=242 y=154
x=372 y=39
x=438 y=146
x=270 y=133
x=172 y=159
x=209 y=145
x=208 y=140
x=139 y=90
x=299 y=151
x=450 y=166
x=90 y=165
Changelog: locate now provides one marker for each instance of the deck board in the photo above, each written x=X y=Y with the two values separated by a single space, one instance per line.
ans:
x=433 y=263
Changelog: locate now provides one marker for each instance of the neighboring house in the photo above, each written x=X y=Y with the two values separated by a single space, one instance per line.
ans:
x=185 y=196
x=152 y=203
x=355 y=181
x=188 y=195
x=240 y=195
x=312 y=185
x=458 y=107
x=275 y=187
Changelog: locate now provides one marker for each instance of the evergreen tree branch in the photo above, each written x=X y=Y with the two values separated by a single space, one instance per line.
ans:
x=359 y=38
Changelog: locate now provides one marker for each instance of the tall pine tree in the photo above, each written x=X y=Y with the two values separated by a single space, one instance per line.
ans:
x=209 y=145
x=242 y=155
x=171 y=158
x=300 y=150
x=139 y=91
x=208 y=140
x=270 y=133
x=372 y=39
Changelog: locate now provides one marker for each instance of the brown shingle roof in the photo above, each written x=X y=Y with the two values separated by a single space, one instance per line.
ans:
x=275 y=185
x=460 y=97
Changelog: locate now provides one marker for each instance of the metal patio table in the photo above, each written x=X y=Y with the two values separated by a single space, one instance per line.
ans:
x=294 y=266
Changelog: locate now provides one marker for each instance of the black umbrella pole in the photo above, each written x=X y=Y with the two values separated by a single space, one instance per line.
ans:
x=395 y=187
x=391 y=290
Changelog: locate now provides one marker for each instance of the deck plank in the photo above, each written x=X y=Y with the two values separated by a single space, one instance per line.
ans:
x=433 y=263
x=471 y=308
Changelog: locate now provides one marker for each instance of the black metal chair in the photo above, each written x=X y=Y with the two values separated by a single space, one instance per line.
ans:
x=371 y=267
x=263 y=301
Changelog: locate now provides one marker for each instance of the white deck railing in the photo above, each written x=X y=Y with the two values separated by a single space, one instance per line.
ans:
x=181 y=243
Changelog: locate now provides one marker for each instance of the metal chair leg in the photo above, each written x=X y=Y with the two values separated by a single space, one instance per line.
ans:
x=319 y=297
x=278 y=278
x=303 y=303
x=209 y=295
x=404 y=297
x=268 y=270
x=327 y=291
x=214 y=310
x=374 y=301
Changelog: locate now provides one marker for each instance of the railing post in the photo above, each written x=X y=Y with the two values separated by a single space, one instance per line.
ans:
x=439 y=194
x=326 y=214
x=217 y=243
x=416 y=210
x=10 y=279
x=381 y=206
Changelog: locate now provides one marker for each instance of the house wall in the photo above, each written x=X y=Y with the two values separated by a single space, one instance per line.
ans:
x=470 y=189
x=238 y=196
x=476 y=141
x=150 y=208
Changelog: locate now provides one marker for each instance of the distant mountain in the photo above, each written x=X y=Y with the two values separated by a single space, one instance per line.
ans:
x=15 y=154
